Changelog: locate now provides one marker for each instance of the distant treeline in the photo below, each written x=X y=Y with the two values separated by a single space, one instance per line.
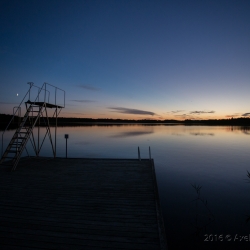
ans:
x=63 y=121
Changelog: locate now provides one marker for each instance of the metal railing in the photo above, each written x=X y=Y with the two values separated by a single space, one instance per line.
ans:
x=43 y=88
x=39 y=91
x=56 y=88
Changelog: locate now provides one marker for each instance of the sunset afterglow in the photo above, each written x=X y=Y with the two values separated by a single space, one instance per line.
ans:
x=130 y=59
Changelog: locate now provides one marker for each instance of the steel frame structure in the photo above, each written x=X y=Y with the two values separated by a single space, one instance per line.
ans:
x=35 y=110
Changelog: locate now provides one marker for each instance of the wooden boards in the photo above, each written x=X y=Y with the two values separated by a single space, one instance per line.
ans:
x=80 y=204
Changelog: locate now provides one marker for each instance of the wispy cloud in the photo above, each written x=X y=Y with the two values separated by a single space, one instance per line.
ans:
x=184 y=115
x=83 y=101
x=246 y=114
x=131 y=111
x=202 y=112
x=176 y=111
x=234 y=115
x=88 y=87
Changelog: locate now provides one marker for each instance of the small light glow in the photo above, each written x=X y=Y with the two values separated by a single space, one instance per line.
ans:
x=17 y=94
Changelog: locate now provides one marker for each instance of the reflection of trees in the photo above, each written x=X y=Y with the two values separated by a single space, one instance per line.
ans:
x=202 y=134
x=203 y=216
x=243 y=129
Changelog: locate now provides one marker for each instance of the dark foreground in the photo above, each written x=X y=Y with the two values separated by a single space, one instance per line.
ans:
x=80 y=204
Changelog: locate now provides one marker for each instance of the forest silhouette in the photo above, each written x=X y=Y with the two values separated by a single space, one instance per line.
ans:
x=65 y=121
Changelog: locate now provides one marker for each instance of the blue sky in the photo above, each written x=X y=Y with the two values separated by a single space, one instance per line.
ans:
x=129 y=59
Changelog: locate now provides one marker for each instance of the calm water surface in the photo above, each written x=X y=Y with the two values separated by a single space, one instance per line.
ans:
x=215 y=158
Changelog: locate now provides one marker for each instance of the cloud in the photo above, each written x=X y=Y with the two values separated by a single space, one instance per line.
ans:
x=176 y=111
x=82 y=101
x=234 y=115
x=131 y=111
x=88 y=87
x=182 y=115
x=246 y=114
x=202 y=112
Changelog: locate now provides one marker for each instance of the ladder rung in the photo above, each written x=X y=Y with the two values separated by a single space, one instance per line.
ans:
x=16 y=143
x=9 y=157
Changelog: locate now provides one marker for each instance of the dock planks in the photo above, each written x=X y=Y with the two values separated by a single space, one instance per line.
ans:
x=80 y=204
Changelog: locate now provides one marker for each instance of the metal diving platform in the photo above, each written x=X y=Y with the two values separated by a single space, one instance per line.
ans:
x=36 y=106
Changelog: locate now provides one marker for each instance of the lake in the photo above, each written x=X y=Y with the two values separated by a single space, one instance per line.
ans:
x=201 y=173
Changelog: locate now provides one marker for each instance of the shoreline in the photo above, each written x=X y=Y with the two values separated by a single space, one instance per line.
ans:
x=82 y=124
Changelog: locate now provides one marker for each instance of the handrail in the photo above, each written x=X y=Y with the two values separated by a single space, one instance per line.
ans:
x=18 y=115
x=55 y=92
x=33 y=85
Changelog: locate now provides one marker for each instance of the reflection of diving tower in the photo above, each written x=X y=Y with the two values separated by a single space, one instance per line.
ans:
x=37 y=114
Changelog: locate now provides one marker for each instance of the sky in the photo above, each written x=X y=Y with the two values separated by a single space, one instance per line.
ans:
x=139 y=59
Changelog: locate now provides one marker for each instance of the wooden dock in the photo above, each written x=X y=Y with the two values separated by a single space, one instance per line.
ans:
x=80 y=204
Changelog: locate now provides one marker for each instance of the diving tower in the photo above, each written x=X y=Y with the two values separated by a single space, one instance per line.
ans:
x=37 y=114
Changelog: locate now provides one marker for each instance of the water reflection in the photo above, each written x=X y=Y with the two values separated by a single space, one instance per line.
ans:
x=202 y=134
x=203 y=214
x=216 y=157
x=177 y=134
x=131 y=133
x=83 y=142
x=244 y=129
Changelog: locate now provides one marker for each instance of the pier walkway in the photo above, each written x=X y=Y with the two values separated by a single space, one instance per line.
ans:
x=78 y=203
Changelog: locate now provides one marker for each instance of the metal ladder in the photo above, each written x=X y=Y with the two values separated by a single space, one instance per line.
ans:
x=20 y=138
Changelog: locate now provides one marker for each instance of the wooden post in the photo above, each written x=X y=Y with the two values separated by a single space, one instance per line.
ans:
x=55 y=131
x=38 y=134
x=66 y=136
x=139 y=155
